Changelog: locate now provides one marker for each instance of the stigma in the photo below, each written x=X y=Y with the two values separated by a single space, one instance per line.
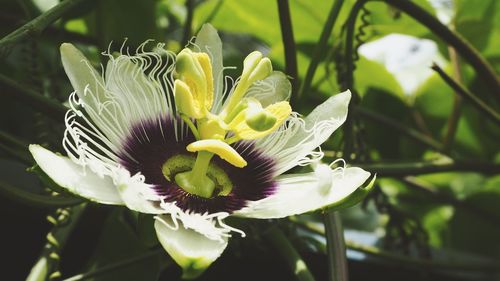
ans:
x=241 y=118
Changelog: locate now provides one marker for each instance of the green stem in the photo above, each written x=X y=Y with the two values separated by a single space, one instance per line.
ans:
x=418 y=168
x=349 y=44
x=37 y=25
x=48 y=106
x=213 y=13
x=20 y=155
x=473 y=99
x=50 y=256
x=288 y=44
x=456 y=111
x=37 y=200
x=10 y=139
x=445 y=198
x=320 y=48
x=280 y=243
x=196 y=181
x=200 y=167
x=188 y=25
x=406 y=260
x=335 y=245
x=53 y=33
x=415 y=262
x=115 y=266
x=414 y=134
x=19 y=151
x=191 y=126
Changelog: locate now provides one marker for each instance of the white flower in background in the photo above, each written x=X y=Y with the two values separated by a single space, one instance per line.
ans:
x=406 y=57
x=157 y=134
x=445 y=10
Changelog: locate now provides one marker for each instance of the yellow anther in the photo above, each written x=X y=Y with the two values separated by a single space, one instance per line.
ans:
x=195 y=71
x=222 y=149
x=250 y=62
x=279 y=111
x=204 y=61
x=184 y=100
x=254 y=68
x=261 y=71
x=189 y=69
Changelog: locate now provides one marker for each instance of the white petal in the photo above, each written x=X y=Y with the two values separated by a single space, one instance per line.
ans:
x=193 y=251
x=301 y=193
x=209 y=42
x=136 y=194
x=274 y=88
x=81 y=74
x=75 y=178
x=298 y=138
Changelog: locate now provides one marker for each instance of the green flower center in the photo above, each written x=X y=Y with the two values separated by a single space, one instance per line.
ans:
x=197 y=175
x=241 y=118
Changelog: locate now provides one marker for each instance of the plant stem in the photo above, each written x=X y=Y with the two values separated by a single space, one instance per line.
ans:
x=20 y=155
x=414 y=134
x=114 y=266
x=349 y=44
x=8 y=138
x=445 y=198
x=280 y=243
x=54 y=33
x=189 y=21
x=15 y=147
x=50 y=254
x=50 y=107
x=37 y=25
x=405 y=260
x=213 y=13
x=320 y=48
x=419 y=168
x=473 y=99
x=335 y=244
x=289 y=45
x=457 y=102
x=37 y=200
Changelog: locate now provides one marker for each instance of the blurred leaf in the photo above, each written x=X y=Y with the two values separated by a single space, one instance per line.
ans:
x=384 y=20
x=115 y=20
x=385 y=140
x=472 y=16
x=371 y=74
x=118 y=241
x=476 y=234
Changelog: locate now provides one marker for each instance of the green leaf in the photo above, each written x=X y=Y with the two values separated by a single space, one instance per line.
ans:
x=472 y=16
x=477 y=234
x=118 y=242
x=117 y=20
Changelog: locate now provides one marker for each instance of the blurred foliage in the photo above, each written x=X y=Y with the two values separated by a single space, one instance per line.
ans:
x=451 y=214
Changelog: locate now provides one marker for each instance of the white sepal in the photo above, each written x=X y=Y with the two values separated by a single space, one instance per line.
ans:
x=193 y=251
x=302 y=193
x=75 y=178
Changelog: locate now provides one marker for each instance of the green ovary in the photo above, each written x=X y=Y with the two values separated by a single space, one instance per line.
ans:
x=197 y=175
